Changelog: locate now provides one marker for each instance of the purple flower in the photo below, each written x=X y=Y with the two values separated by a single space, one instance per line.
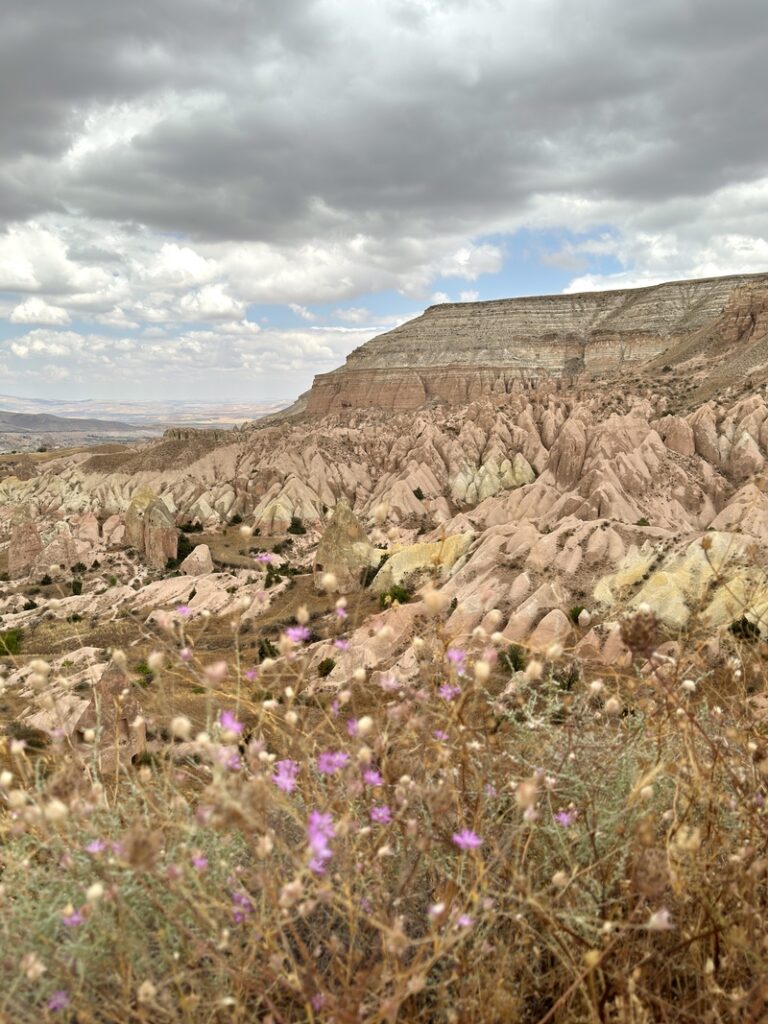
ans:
x=319 y=831
x=456 y=657
x=440 y=734
x=335 y=707
x=183 y=610
x=265 y=557
x=96 y=846
x=285 y=775
x=251 y=674
x=381 y=815
x=490 y=790
x=185 y=654
x=228 y=721
x=467 y=839
x=464 y=921
x=318 y=1001
x=241 y=907
x=58 y=1001
x=341 y=645
x=352 y=727
x=566 y=818
x=341 y=613
x=200 y=862
x=331 y=761
x=371 y=777
x=449 y=690
x=72 y=920
x=298 y=634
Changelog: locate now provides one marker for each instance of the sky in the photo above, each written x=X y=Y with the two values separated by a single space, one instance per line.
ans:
x=218 y=199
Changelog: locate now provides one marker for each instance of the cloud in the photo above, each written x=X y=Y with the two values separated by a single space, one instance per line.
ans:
x=166 y=172
x=302 y=311
x=37 y=311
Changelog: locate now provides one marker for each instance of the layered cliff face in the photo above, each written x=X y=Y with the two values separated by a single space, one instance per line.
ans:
x=460 y=352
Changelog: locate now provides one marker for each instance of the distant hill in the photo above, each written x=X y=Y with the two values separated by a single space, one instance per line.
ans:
x=35 y=423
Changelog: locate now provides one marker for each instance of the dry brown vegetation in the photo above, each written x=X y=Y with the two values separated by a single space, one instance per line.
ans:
x=541 y=846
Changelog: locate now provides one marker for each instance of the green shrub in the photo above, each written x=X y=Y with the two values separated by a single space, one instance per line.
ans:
x=418 y=493
x=79 y=568
x=145 y=674
x=77 y=587
x=112 y=581
x=395 y=593
x=574 y=613
x=236 y=519
x=514 y=659
x=642 y=522
x=10 y=640
x=325 y=667
x=46 y=581
x=30 y=605
x=266 y=649
x=744 y=629
x=296 y=527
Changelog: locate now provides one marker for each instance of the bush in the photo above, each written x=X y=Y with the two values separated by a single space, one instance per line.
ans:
x=418 y=493
x=191 y=527
x=514 y=659
x=79 y=568
x=296 y=527
x=236 y=519
x=574 y=613
x=326 y=666
x=46 y=581
x=77 y=587
x=30 y=605
x=266 y=649
x=145 y=674
x=642 y=522
x=395 y=593
x=744 y=629
x=10 y=641
x=112 y=581
x=371 y=572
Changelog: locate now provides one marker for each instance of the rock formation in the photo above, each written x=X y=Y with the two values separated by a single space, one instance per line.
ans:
x=344 y=551
x=459 y=352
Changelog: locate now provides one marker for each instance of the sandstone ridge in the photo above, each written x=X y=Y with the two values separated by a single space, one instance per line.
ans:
x=460 y=352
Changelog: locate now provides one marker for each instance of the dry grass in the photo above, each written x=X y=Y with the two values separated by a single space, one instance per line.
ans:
x=620 y=874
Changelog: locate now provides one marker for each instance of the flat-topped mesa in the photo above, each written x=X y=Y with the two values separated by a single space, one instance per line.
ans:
x=457 y=352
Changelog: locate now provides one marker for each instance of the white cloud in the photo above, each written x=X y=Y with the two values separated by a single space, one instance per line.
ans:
x=302 y=311
x=211 y=303
x=37 y=311
x=470 y=296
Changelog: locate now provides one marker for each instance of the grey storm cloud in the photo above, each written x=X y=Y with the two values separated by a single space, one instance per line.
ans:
x=292 y=119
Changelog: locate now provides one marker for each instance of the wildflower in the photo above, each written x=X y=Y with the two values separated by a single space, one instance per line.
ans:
x=319 y=831
x=229 y=723
x=95 y=846
x=352 y=727
x=297 y=634
x=331 y=761
x=216 y=672
x=55 y=810
x=58 y=1001
x=464 y=921
x=265 y=558
x=328 y=582
x=490 y=790
x=285 y=775
x=467 y=839
x=185 y=654
x=199 y=862
x=364 y=725
x=32 y=966
x=341 y=644
x=659 y=921
x=183 y=610
x=71 y=917
x=341 y=612
x=449 y=690
x=440 y=734
x=457 y=658
x=181 y=727
x=318 y=1001
x=146 y=992
x=381 y=815
x=482 y=671
x=241 y=907
x=566 y=818
x=371 y=777
x=94 y=892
